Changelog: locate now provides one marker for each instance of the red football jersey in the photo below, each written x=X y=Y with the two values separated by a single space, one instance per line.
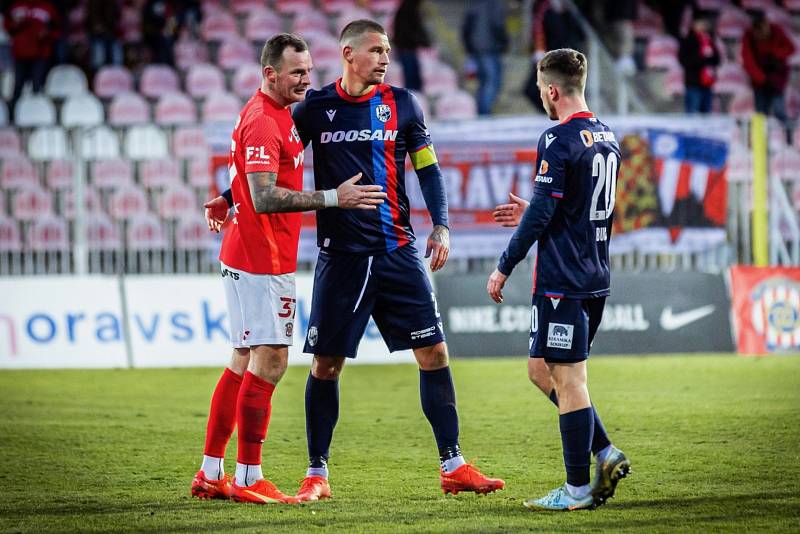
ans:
x=264 y=140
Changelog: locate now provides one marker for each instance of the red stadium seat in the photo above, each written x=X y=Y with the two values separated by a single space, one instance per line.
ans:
x=91 y=203
x=261 y=25
x=190 y=142
x=189 y=52
x=246 y=80
x=177 y=201
x=202 y=79
x=128 y=109
x=10 y=238
x=48 y=233
x=234 y=51
x=160 y=173
x=145 y=232
x=111 y=173
x=191 y=233
x=218 y=26
x=313 y=24
x=30 y=202
x=661 y=52
x=10 y=144
x=157 y=80
x=99 y=143
x=82 y=111
x=221 y=107
x=199 y=173
x=732 y=23
x=293 y=7
x=146 y=142
x=457 y=105
x=47 y=144
x=60 y=174
x=102 y=233
x=175 y=109
x=112 y=80
x=127 y=201
x=33 y=110
x=18 y=171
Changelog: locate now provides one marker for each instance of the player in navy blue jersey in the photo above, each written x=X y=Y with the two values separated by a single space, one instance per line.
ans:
x=368 y=263
x=570 y=215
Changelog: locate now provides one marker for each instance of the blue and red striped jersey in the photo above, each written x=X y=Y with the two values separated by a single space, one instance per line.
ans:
x=370 y=134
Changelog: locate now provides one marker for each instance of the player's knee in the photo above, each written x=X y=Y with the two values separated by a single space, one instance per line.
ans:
x=239 y=360
x=433 y=357
x=539 y=374
x=327 y=368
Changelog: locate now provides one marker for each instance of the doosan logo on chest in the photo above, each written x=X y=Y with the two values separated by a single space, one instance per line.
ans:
x=357 y=135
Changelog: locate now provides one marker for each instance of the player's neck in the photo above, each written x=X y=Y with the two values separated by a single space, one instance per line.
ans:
x=270 y=92
x=570 y=106
x=353 y=87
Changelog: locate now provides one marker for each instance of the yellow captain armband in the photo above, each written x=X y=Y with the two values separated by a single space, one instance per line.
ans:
x=423 y=157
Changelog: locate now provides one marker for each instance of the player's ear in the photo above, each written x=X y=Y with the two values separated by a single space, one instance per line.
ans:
x=347 y=53
x=554 y=92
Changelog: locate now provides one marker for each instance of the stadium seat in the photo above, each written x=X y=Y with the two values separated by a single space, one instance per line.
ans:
x=160 y=173
x=48 y=233
x=48 y=143
x=99 y=143
x=221 y=107
x=293 y=7
x=18 y=171
x=102 y=233
x=785 y=162
x=731 y=79
x=10 y=238
x=328 y=70
x=33 y=110
x=127 y=201
x=111 y=173
x=188 y=52
x=233 y=52
x=82 y=110
x=202 y=79
x=190 y=142
x=441 y=80
x=10 y=144
x=127 y=109
x=145 y=232
x=260 y=25
x=191 y=233
x=112 y=80
x=218 y=26
x=311 y=26
x=244 y=7
x=348 y=15
x=674 y=83
x=146 y=142
x=326 y=50
x=157 y=80
x=384 y=6
x=175 y=109
x=457 y=105
x=177 y=201
x=334 y=7
x=317 y=38
x=30 y=202
x=246 y=80
x=3 y=113
x=91 y=203
x=60 y=174
x=64 y=81
x=661 y=52
x=199 y=173
x=732 y=23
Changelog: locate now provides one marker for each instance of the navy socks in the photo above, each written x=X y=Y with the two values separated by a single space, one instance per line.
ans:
x=600 y=440
x=322 y=413
x=438 y=398
x=576 y=439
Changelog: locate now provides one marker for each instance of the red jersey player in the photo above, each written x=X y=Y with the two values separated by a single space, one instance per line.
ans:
x=258 y=260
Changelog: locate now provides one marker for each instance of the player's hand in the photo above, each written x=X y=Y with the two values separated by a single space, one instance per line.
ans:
x=495 y=286
x=438 y=248
x=509 y=215
x=365 y=197
x=216 y=213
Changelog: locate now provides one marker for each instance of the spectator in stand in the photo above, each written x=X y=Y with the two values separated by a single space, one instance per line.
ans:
x=410 y=35
x=621 y=14
x=160 y=29
x=699 y=56
x=102 y=25
x=765 y=53
x=34 y=26
x=485 y=38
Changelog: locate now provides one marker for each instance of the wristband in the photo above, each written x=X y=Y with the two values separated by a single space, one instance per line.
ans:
x=331 y=198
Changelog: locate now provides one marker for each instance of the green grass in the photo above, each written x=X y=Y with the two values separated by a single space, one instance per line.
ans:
x=713 y=441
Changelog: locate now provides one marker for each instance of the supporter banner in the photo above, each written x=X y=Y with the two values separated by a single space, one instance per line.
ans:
x=646 y=313
x=766 y=309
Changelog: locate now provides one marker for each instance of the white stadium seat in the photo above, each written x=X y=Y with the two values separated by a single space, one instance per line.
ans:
x=458 y=105
x=82 y=110
x=202 y=79
x=190 y=142
x=10 y=237
x=48 y=233
x=218 y=26
x=60 y=174
x=127 y=201
x=173 y=109
x=234 y=52
x=177 y=201
x=102 y=233
x=191 y=233
x=31 y=202
x=48 y=143
x=157 y=80
x=246 y=80
x=112 y=80
x=111 y=173
x=261 y=25
x=160 y=173
x=145 y=232
x=221 y=107
x=146 y=142
x=91 y=202
x=65 y=80
x=199 y=173
x=188 y=52
x=18 y=171
x=99 y=143
x=128 y=109
x=34 y=110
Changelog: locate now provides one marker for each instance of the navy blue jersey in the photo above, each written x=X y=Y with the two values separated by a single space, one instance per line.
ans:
x=577 y=163
x=370 y=134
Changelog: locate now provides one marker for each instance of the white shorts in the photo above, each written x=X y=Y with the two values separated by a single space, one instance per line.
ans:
x=261 y=307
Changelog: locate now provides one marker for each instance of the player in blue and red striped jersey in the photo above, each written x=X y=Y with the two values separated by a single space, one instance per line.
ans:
x=570 y=217
x=368 y=264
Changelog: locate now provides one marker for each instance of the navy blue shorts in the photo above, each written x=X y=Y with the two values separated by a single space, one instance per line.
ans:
x=562 y=330
x=393 y=288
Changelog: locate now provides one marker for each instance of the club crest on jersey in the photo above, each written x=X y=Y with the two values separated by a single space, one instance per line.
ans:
x=383 y=112
x=312 y=336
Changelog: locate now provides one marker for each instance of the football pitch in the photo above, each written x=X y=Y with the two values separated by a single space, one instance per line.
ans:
x=714 y=441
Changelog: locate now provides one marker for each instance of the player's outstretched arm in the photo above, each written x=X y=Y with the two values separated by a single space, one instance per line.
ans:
x=509 y=215
x=438 y=247
x=268 y=197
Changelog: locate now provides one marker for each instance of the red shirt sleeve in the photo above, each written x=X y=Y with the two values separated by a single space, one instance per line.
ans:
x=261 y=143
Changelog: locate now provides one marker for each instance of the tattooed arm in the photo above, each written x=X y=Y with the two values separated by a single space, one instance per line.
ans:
x=269 y=198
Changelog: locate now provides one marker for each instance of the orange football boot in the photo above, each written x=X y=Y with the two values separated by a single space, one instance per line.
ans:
x=314 y=488
x=468 y=478
x=205 y=488
x=262 y=492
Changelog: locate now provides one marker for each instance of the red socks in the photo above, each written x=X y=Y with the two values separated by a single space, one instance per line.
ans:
x=222 y=416
x=252 y=415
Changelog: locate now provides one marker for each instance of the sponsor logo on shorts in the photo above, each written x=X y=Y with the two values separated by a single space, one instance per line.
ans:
x=226 y=272
x=422 y=334
x=312 y=336
x=559 y=336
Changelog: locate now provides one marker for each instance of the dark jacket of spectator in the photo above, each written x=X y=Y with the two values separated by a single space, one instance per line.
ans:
x=765 y=56
x=555 y=26
x=409 y=30
x=484 y=28
x=103 y=17
x=34 y=26
x=698 y=55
